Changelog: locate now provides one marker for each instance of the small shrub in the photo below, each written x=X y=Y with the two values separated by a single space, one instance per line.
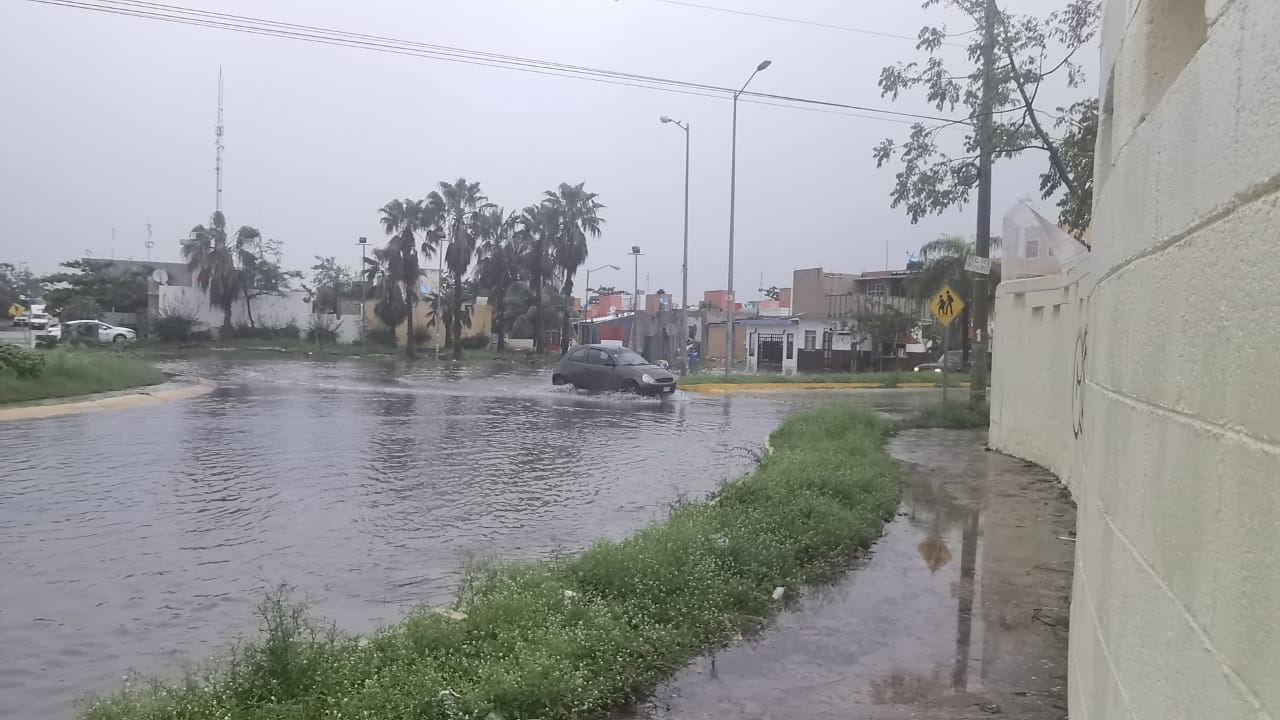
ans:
x=80 y=308
x=323 y=329
x=475 y=342
x=952 y=415
x=21 y=361
x=173 y=326
x=380 y=336
x=266 y=332
x=421 y=335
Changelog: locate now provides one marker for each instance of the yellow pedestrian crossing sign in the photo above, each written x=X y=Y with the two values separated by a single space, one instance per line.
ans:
x=946 y=305
x=15 y=310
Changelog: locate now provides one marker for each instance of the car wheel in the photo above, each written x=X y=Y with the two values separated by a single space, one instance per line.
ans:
x=119 y=338
x=631 y=387
x=558 y=380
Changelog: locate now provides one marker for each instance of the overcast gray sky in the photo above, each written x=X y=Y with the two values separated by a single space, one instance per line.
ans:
x=109 y=123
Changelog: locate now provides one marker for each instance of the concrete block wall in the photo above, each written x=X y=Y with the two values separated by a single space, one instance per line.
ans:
x=1171 y=443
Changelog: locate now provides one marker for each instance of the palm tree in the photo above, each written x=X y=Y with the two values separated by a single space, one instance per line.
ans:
x=498 y=267
x=577 y=213
x=535 y=234
x=944 y=261
x=213 y=263
x=457 y=206
x=396 y=270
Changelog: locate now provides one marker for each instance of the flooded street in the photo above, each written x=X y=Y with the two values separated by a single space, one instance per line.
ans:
x=142 y=538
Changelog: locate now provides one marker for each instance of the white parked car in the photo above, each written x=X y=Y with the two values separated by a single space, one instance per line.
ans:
x=90 y=330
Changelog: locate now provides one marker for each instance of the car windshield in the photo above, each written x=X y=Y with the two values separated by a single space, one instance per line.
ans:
x=629 y=357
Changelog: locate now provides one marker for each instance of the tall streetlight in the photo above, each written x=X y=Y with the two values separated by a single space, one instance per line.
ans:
x=684 y=265
x=733 y=188
x=363 y=242
x=635 y=298
x=586 y=296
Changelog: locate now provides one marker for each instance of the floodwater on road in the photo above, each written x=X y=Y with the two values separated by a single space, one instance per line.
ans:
x=142 y=539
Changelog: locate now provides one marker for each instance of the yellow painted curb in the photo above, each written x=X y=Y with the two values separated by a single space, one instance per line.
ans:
x=116 y=400
x=723 y=388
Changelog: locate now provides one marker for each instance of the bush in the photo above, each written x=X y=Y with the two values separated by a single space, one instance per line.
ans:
x=475 y=342
x=21 y=362
x=173 y=326
x=380 y=336
x=323 y=329
x=421 y=335
x=244 y=331
x=952 y=415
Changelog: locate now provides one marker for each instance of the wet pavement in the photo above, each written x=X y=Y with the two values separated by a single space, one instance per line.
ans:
x=959 y=611
x=142 y=538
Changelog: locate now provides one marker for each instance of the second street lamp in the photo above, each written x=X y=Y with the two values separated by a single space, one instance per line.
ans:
x=733 y=190
x=586 y=297
x=684 y=264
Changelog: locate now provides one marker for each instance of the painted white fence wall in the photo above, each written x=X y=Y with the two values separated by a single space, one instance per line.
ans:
x=1167 y=431
x=268 y=311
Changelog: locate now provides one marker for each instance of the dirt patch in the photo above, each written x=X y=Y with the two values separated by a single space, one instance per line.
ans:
x=173 y=390
x=959 y=612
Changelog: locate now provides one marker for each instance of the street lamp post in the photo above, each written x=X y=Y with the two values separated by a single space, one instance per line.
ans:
x=364 y=289
x=684 y=265
x=733 y=189
x=635 y=298
x=586 y=296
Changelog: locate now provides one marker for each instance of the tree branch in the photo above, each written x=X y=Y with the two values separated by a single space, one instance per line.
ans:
x=1055 y=159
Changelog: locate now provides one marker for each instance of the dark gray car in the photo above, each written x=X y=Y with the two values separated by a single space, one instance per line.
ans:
x=600 y=367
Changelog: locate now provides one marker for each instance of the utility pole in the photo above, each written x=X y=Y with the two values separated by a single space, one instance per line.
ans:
x=978 y=385
x=217 y=168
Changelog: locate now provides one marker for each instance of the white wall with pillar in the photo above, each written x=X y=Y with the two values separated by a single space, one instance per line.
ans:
x=1150 y=385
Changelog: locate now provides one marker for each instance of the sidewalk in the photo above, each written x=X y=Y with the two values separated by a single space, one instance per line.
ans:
x=958 y=612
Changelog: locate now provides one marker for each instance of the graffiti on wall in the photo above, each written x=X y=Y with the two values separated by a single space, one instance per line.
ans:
x=1078 y=380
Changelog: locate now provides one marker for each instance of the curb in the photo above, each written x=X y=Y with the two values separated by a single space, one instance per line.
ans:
x=115 y=400
x=727 y=388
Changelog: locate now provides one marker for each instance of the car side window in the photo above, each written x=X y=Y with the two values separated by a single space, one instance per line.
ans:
x=598 y=357
x=579 y=355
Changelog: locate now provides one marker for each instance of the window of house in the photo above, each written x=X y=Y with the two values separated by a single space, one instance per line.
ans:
x=1032 y=249
x=877 y=289
x=810 y=339
x=791 y=345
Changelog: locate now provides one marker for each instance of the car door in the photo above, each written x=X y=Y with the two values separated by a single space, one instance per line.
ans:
x=599 y=369
x=105 y=332
x=575 y=366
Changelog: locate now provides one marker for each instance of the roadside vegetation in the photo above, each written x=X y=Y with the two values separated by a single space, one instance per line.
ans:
x=27 y=375
x=876 y=379
x=578 y=637
x=951 y=415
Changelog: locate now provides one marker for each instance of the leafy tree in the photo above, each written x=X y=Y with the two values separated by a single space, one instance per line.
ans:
x=527 y=315
x=213 y=263
x=15 y=283
x=772 y=292
x=704 y=305
x=260 y=270
x=333 y=281
x=457 y=207
x=1028 y=52
x=80 y=307
x=395 y=270
x=499 y=264
x=578 y=218
x=884 y=325
x=605 y=290
x=536 y=231
x=111 y=286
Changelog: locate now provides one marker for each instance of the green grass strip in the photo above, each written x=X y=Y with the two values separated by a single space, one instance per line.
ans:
x=885 y=379
x=578 y=637
x=69 y=372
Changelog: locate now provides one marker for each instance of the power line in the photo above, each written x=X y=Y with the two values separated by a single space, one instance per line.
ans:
x=376 y=43
x=796 y=21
